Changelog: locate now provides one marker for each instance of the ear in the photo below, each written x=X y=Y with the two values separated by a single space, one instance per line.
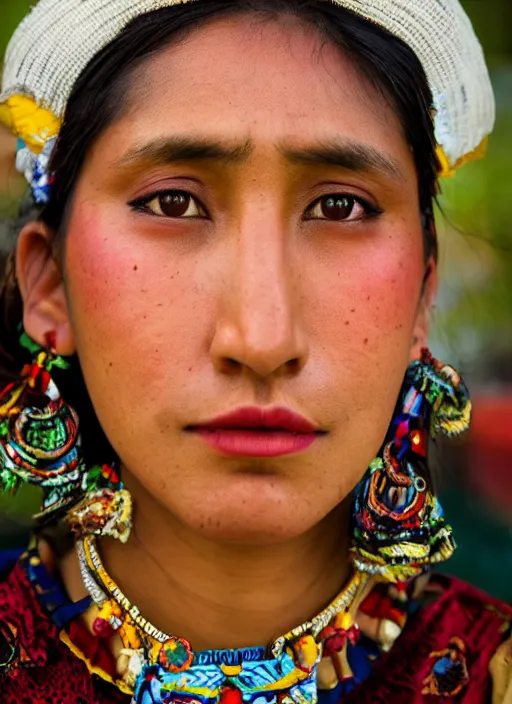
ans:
x=45 y=307
x=423 y=316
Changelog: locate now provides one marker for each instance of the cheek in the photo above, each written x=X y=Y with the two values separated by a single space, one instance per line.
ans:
x=364 y=315
x=368 y=296
x=130 y=305
x=388 y=292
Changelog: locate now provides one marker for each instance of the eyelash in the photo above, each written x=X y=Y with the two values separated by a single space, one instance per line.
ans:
x=370 y=211
x=141 y=205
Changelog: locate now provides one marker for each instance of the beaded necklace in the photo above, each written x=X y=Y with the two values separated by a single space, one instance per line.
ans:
x=159 y=668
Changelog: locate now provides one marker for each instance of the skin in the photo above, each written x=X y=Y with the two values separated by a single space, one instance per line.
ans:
x=176 y=321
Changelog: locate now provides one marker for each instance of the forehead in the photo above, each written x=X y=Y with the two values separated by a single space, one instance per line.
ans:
x=268 y=80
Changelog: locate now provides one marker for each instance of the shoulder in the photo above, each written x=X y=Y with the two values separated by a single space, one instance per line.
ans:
x=477 y=630
x=445 y=650
x=501 y=672
x=459 y=605
x=26 y=635
x=35 y=665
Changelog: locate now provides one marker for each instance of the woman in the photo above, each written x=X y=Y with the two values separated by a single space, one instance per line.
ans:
x=230 y=239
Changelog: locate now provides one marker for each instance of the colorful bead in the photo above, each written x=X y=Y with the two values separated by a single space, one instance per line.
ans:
x=344 y=621
x=134 y=666
x=105 y=512
x=175 y=655
x=306 y=652
x=102 y=628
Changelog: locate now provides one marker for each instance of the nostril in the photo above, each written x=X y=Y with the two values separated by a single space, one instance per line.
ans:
x=293 y=365
x=228 y=364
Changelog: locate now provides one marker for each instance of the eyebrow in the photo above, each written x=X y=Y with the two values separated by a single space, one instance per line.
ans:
x=181 y=148
x=347 y=155
x=351 y=156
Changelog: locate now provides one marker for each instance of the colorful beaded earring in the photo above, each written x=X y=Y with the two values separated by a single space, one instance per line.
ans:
x=398 y=523
x=40 y=445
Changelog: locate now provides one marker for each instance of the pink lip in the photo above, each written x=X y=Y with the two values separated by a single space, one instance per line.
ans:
x=258 y=432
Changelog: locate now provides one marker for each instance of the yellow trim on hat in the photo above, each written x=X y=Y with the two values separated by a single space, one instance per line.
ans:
x=447 y=171
x=31 y=123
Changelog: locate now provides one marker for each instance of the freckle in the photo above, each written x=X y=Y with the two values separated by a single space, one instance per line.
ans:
x=135 y=268
x=110 y=364
x=365 y=340
x=347 y=322
x=352 y=310
x=190 y=369
x=368 y=298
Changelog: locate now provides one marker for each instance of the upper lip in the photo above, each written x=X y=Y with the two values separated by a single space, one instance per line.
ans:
x=257 y=418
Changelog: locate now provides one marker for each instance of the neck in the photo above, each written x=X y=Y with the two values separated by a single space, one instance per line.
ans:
x=218 y=595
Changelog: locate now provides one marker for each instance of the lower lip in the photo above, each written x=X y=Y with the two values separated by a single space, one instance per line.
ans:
x=257 y=443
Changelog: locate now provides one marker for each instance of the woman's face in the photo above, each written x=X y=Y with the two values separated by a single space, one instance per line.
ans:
x=247 y=234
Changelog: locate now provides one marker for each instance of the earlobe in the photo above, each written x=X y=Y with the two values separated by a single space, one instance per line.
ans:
x=39 y=275
x=424 y=313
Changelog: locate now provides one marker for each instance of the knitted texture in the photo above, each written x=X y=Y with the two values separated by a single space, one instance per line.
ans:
x=56 y=41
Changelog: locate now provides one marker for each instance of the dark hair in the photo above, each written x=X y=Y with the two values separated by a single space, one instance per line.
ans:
x=99 y=96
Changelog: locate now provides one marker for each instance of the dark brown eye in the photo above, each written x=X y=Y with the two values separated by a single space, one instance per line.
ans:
x=337 y=208
x=174 y=204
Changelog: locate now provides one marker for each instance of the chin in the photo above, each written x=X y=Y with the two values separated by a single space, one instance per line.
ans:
x=252 y=510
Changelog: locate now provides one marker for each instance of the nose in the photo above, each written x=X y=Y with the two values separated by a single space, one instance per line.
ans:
x=260 y=326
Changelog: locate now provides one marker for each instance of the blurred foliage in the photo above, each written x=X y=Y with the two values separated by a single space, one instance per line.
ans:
x=474 y=318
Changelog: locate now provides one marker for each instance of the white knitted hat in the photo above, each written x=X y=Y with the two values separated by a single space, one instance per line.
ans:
x=56 y=41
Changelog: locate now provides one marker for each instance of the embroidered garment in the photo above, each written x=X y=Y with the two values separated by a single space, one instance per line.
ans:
x=452 y=631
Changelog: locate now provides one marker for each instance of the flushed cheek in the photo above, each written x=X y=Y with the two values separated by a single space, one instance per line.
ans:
x=389 y=293
x=129 y=300
x=362 y=327
x=363 y=295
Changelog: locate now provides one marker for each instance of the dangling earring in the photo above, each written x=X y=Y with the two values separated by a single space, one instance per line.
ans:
x=398 y=523
x=40 y=439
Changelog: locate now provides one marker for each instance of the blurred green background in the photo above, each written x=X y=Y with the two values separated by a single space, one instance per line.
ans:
x=472 y=328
